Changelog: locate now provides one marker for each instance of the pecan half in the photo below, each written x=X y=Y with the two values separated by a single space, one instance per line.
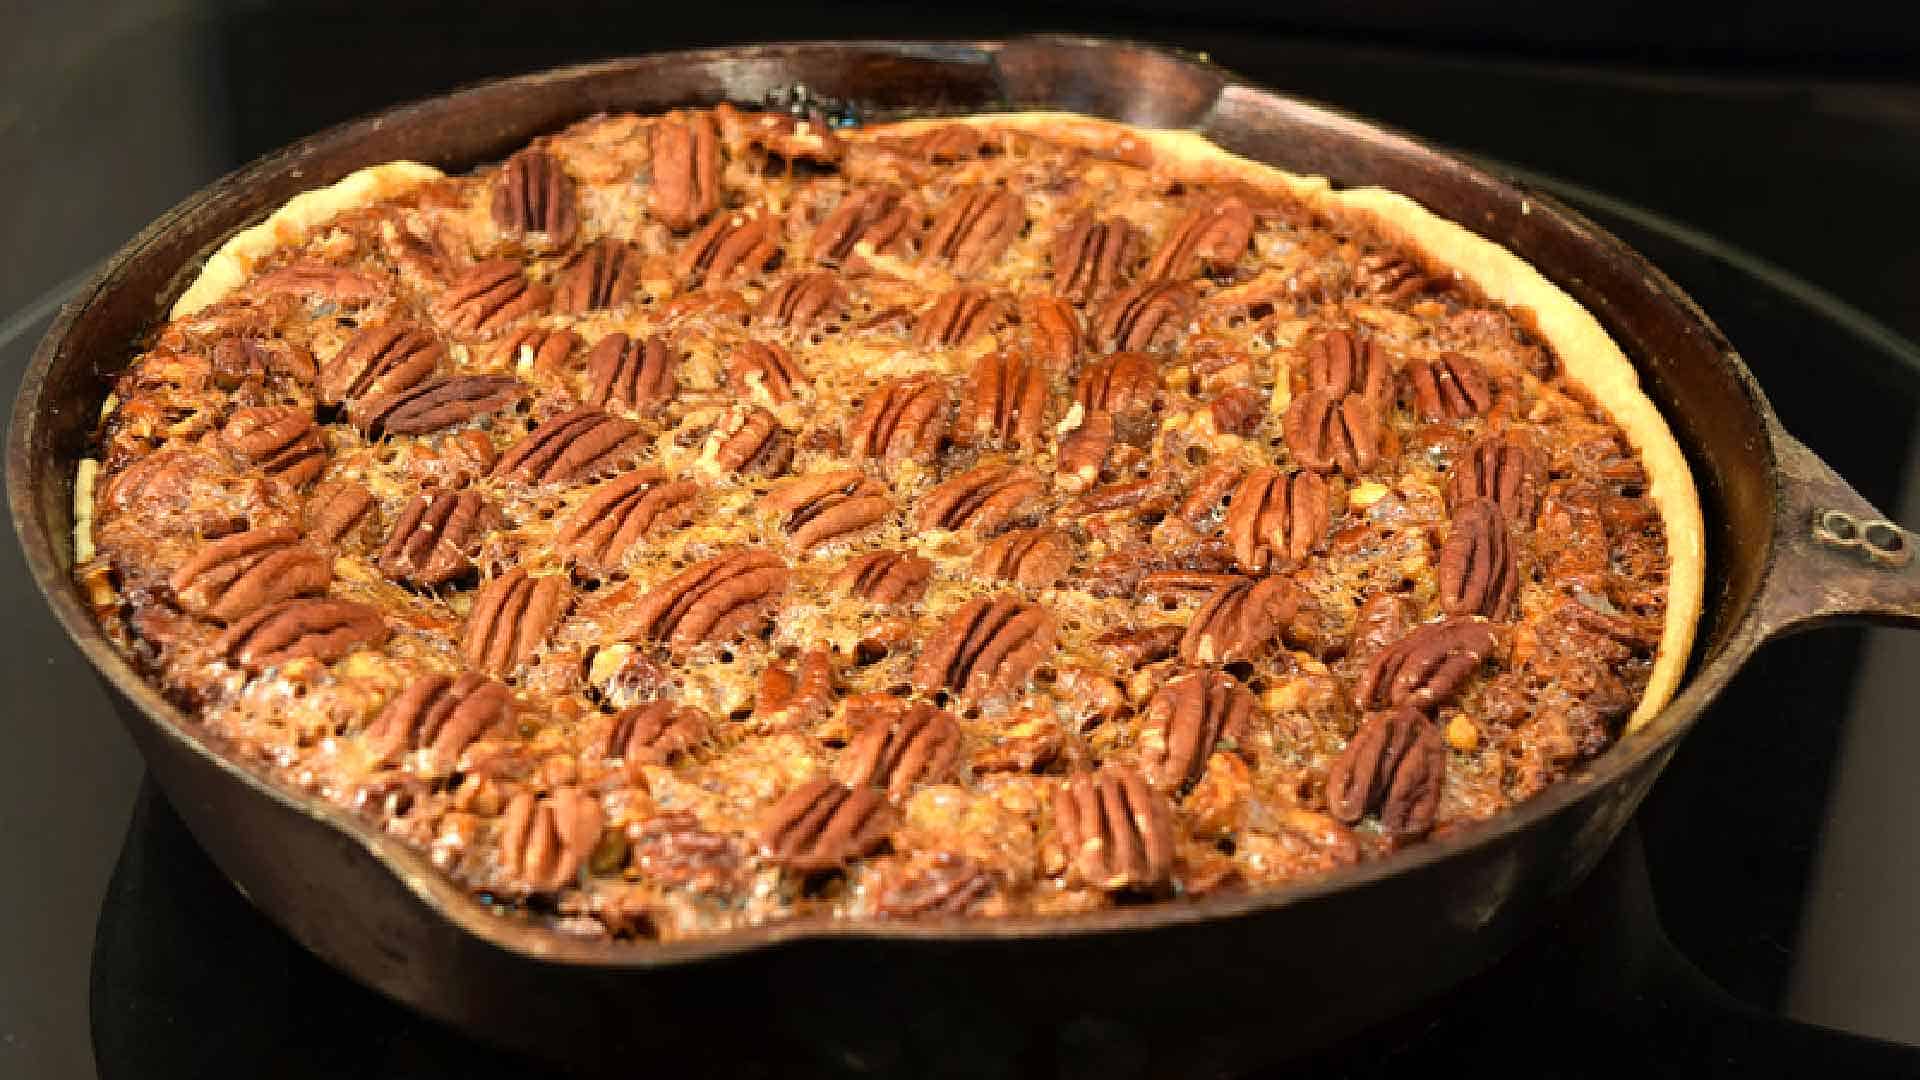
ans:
x=1339 y=363
x=791 y=136
x=803 y=301
x=1090 y=257
x=1131 y=649
x=898 y=745
x=1005 y=403
x=827 y=506
x=654 y=734
x=824 y=825
x=320 y=281
x=758 y=447
x=323 y=629
x=1450 y=387
x=1477 y=574
x=1083 y=452
x=973 y=227
x=235 y=359
x=511 y=618
x=901 y=420
x=280 y=440
x=983 y=499
x=487 y=297
x=435 y=404
x=674 y=851
x=629 y=375
x=886 y=577
x=441 y=715
x=1276 y=517
x=1126 y=385
x=769 y=368
x=1504 y=470
x=952 y=142
x=1237 y=410
x=985 y=649
x=795 y=697
x=572 y=446
x=1145 y=316
x=545 y=842
x=378 y=361
x=686 y=169
x=534 y=194
x=1392 y=277
x=1328 y=434
x=960 y=316
x=1050 y=330
x=717 y=599
x=1116 y=831
x=943 y=885
x=1036 y=558
x=1426 y=668
x=741 y=241
x=1239 y=621
x=620 y=512
x=240 y=574
x=1394 y=766
x=433 y=541
x=1187 y=720
x=876 y=217
x=1206 y=491
x=540 y=349
x=603 y=274
x=1211 y=237
x=337 y=509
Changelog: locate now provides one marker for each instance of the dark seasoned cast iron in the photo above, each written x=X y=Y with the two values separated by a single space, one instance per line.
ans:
x=1185 y=988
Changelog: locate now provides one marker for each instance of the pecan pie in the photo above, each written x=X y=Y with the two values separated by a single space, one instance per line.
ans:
x=713 y=519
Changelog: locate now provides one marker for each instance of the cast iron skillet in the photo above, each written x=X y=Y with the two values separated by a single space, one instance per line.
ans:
x=1191 y=987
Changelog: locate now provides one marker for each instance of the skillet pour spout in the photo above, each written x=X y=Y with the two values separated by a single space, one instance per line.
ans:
x=1206 y=986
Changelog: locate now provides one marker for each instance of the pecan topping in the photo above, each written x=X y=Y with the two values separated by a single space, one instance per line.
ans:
x=686 y=169
x=1036 y=558
x=288 y=630
x=827 y=506
x=1328 y=434
x=1450 y=387
x=488 y=297
x=948 y=885
x=1277 y=516
x=572 y=446
x=1503 y=470
x=1186 y=720
x=898 y=745
x=960 y=316
x=629 y=375
x=620 y=512
x=433 y=541
x=654 y=734
x=337 y=509
x=1238 y=621
x=874 y=216
x=952 y=142
x=1005 y=403
x=541 y=350
x=983 y=499
x=1477 y=575
x=759 y=447
x=717 y=599
x=435 y=404
x=1145 y=316
x=1426 y=668
x=603 y=274
x=379 y=361
x=1391 y=277
x=1083 y=452
x=1117 y=832
x=319 y=281
x=545 y=842
x=1339 y=364
x=1124 y=385
x=886 y=577
x=902 y=420
x=985 y=649
x=240 y=574
x=441 y=715
x=534 y=194
x=1052 y=330
x=511 y=618
x=1393 y=766
x=280 y=440
x=824 y=825
x=803 y=301
x=1090 y=256
x=236 y=359
x=1237 y=410
x=1212 y=237
x=742 y=241
x=768 y=367
x=673 y=850
x=1129 y=649
x=973 y=227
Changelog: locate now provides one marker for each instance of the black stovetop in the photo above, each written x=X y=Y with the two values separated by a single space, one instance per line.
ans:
x=1765 y=900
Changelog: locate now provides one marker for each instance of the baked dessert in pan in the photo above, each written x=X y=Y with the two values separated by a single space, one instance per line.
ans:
x=718 y=518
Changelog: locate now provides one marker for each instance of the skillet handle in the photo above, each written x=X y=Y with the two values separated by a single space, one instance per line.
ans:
x=1836 y=557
